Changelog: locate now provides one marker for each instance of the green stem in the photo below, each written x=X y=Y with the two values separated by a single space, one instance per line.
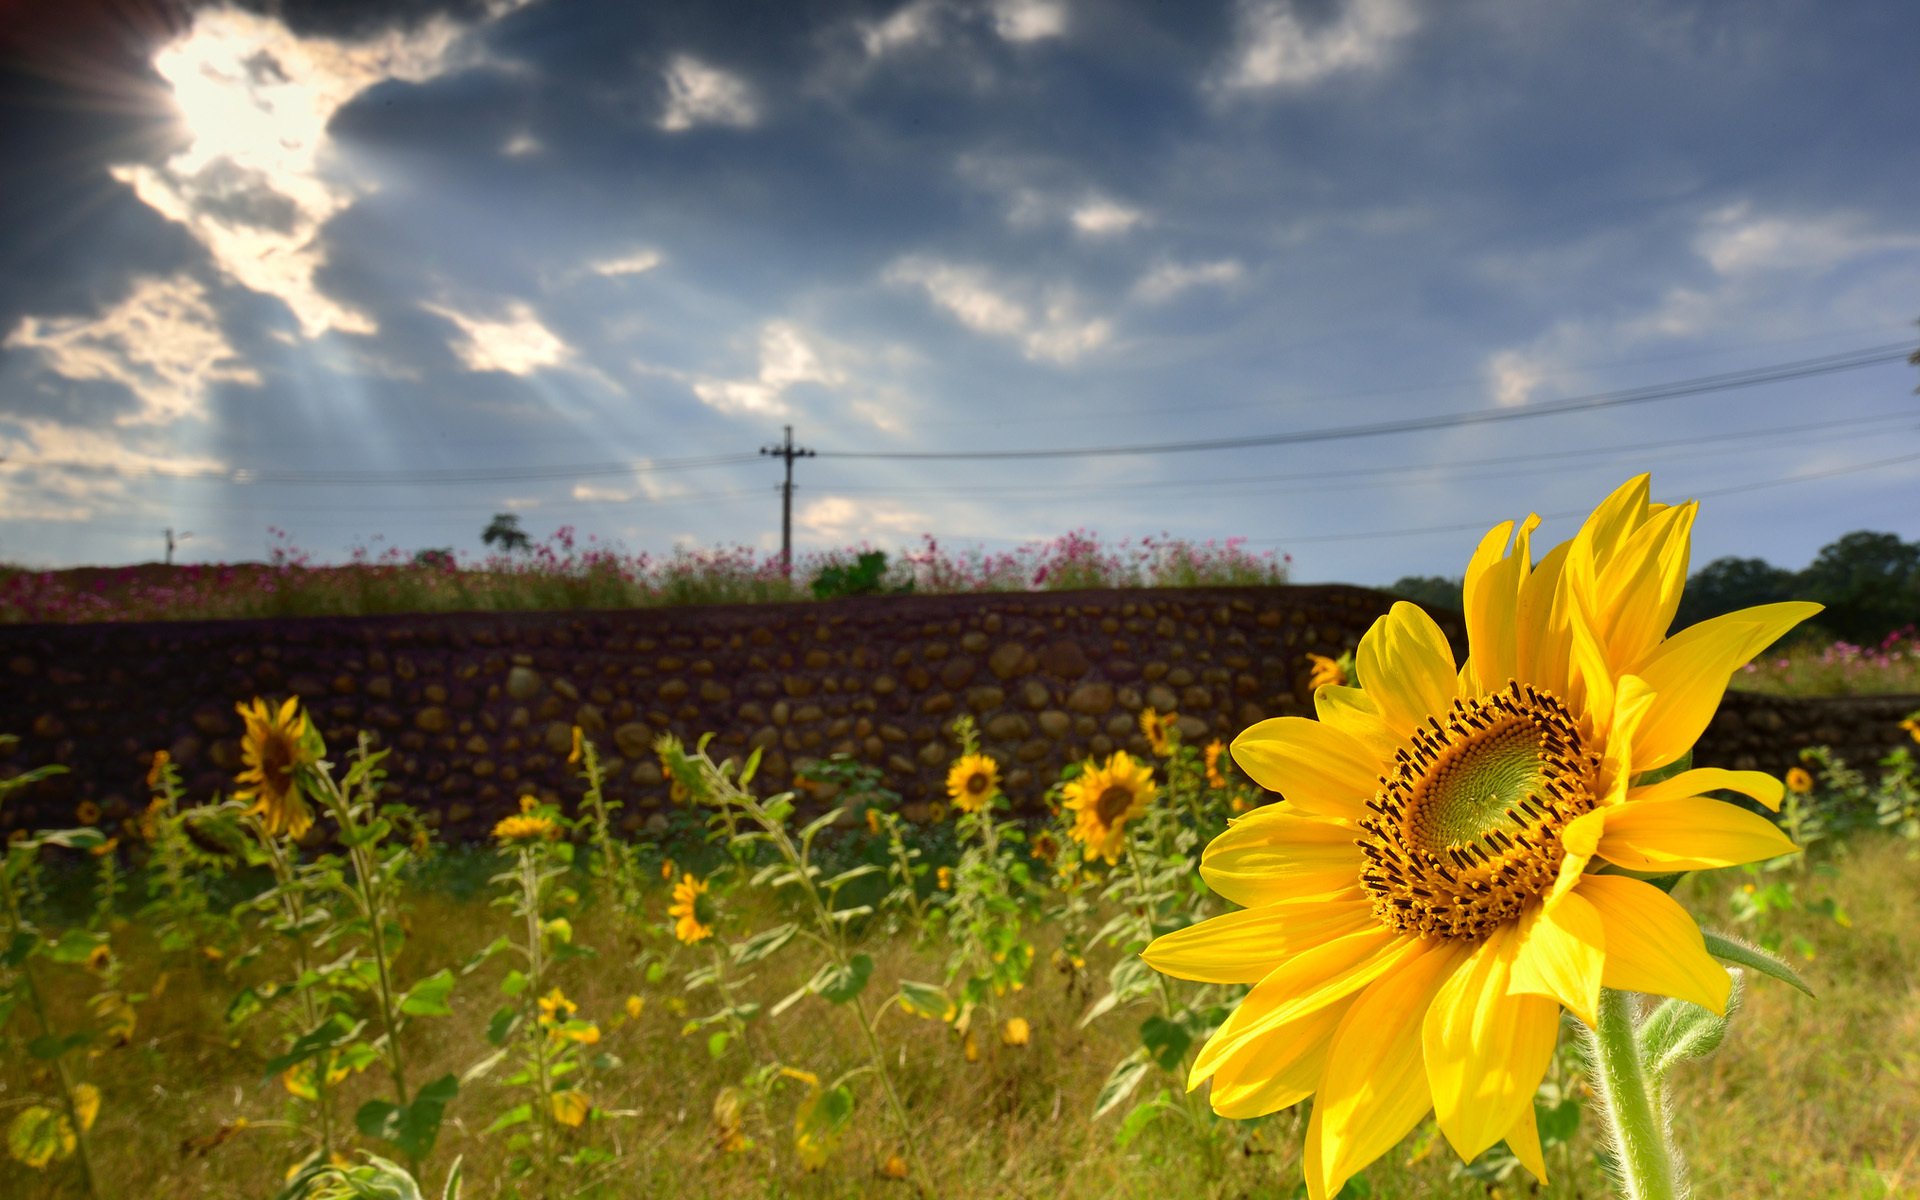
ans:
x=293 y=911
x=1648 y=1167
x=15 y=922
x=536 y=980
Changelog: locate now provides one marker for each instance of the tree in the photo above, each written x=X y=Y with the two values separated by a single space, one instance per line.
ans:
x=504 y=530
x=1728 y=584
x=1870 y=583
x=1430 y=591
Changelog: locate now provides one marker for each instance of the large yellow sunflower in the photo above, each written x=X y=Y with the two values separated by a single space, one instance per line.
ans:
x=692 y=918
x=1443 y=872
x=1103 y=799
x=273 y=749
x=972 y=782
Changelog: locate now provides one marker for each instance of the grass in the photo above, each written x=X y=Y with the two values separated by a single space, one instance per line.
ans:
x=1810 y=1097
x=562 y=574
x=1839 y=669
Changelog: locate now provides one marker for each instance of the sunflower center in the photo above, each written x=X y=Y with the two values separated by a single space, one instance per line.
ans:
x=1112 y=804
x=276 y=762
x=977 y=783
x=1466 y=827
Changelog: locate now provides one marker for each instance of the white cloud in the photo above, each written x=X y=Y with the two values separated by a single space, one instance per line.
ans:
x=1048 y=327
x=841 y=520
x=643 y=486
x=698 y=94
x=522 y=145
x=1101 y=217
x=1029 y=20
x=1736 y=242
x=1169 y=279
x=1276 y=50
x=162 y=342
x=1513 y=376
x=909 y=25
x=517 y=345
x=257 y=178
x=636 y=263
x=788 y=358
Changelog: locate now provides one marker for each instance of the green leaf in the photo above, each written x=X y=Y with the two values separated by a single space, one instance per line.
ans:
x=1683 y=763
x=717 y=1043
x=1121 y=1082
x=1679 y=1030
x=38 y=1135
x=334 y=1031
x=1557 y=1123
x=501 y=1026
x=841 y=984
x=1166 y=1041
x=428 y=997
x=74 y=946
x=47 y=1047
x=514 y=983
x=760 y=945
x=1741 y=954
x=19 y=948
x=517 y=1115
x=484 y=1067
x=925 y=1000
x=74 y=839
x=412 y=1127
x=1143 y=1115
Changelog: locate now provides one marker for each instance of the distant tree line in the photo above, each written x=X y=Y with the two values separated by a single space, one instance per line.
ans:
x=1869 y=582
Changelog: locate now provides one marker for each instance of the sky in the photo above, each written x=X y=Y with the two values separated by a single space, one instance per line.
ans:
x=1351 y=279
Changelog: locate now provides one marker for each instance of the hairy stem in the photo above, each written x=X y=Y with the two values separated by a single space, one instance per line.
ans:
x=1649 y=1169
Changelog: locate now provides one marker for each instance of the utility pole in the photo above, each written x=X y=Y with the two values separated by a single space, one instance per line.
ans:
x=788 y=451
x=170 y=540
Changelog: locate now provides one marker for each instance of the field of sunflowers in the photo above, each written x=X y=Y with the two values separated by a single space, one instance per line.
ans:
x=1478 y=929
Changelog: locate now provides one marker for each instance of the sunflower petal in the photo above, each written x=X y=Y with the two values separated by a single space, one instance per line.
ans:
x=1375 y=1089
x=1246 y=946
x=1688 y=833
x=1562 y=955
x=1490 y=598
x=1406 y=665
x=1653 y=945
x=1524 y=1140
x=1540 y=632
x=1486 y=1048
x=1305 y=983
x=1757 y=784
x=1317 y=767
x=1689 y=671
x=1276 y=853
x=1352 y=711
x=1265 y=1076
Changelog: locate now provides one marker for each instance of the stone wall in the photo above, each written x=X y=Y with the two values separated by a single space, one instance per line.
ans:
x=478 y=708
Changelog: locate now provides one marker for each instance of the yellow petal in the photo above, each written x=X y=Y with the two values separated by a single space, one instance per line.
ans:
x=1540 y=633
x=1246 y=946
x=1305 y=983
x=1375 y=1089
x=1265 y=1076
x=1491 y=598
x=1352 y=711
x=1317 y=767
x=1562 y=955
x=1486 y=1049
x=1590 y=685
x=1639 y=591
x=1689 y=671
x=1405 y=664
x=1688 y=833
x=1524 y=1140
x=1653 y=946
x=1275 y=853
x=1757 y=784
x=570 y=1108
x=86 y=1104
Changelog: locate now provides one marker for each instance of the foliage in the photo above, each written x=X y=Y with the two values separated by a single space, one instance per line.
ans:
x=1869 y=582
x=504 y=531
x=1431 y=592
x=1891 y=667
x=866 y=575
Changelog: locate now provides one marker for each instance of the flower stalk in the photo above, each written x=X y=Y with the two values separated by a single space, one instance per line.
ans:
x=1648 y=1167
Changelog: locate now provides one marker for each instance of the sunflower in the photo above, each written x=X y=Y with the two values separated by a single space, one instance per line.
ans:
x=693 y=919
x=1799 y=781
x=275 y=746
x=1016 y=1032
x=1327 y=672
x=1158 y=728
x=1046 y=847
x=1912 y=726
x=1103 y=799
x=555 y=1008
x=525 y=826
x=158 y=770
x=1215 y=749
x=1419 y=904
x=87 y=812
x=973 y=782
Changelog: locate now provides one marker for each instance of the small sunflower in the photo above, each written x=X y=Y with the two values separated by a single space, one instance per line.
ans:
x=1214 y=778
x=1103 y=799
x=667 y=868
x=158 y=770
x=1159 y=731
x=86 y=812
x=523 y=827
x=555 y=1008
x=873 y=822
x=275 y=746
x=1016 y=1032
x=944 y=877
x=692 y=915
x=1425 y=898
x=1327 y=672
x=1912 y=726
x=972 y=782
x=894 y=1168
x=1799 y=781
x=1046 y=847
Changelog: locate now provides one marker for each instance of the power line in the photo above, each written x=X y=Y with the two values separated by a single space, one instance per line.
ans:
x=1777 y=373
x=256 y=475
x=787 y=451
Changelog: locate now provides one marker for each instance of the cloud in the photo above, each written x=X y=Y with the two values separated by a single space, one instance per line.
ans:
x=1513 y=376
x=840 y=520
x=522 y=145
x=256 y=180
x=1101 y=217
x=1169 y=279
x=1736 y=242
x=1047 y=327
x=636 y=263
x=1029 y=20
x=517 y=345
x=162 y=342
x=1276 y=51
x=924 y=23
x=698 y=94
x=643 y=486
x=788 y=358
